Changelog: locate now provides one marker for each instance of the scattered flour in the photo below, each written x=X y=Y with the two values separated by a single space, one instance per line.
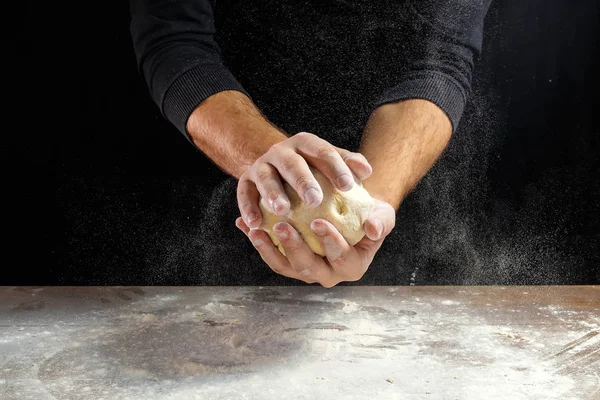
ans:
x=450 y=303
x=352 y=349
x=350 y=307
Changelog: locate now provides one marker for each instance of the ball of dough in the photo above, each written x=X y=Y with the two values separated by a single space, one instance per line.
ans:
x=347 y=211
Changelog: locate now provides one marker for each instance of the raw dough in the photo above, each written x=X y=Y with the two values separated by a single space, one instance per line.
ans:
x=347 y=211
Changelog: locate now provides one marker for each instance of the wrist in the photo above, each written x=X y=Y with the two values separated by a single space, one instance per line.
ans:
x=220 y=110
x=379 y=192
x=232 y=131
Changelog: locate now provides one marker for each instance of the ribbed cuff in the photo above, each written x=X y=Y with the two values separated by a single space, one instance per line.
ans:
x=193 y=87
x=437 y=87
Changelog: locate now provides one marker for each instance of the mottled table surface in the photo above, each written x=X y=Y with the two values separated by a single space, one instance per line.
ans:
x=300 y=342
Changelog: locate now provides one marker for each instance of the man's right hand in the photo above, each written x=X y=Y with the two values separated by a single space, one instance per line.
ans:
x=289 y=160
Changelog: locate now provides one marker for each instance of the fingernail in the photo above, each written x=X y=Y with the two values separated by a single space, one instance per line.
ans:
x=312 y=196
x=251 y=218
x=379 y=228
x=318 y=229
x=257 y=242
x=345 y=181
x=279 y=203
x=281 y=232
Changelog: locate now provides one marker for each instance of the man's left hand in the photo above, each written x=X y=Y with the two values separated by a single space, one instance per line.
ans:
x=342 y=262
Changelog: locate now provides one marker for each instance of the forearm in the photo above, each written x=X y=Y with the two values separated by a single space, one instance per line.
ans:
x=178 y=56
x=230 y=130
x=402 y=141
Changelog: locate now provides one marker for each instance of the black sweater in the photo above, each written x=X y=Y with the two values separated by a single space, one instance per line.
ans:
x=178 y=56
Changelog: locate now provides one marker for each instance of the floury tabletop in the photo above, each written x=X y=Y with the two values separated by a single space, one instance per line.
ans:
x=431 y=342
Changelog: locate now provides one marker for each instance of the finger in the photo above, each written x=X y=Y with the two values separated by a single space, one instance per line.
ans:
x=324 y=156
x=269 y=186
x=343 y=258
x=383 y=213
x=294 y=170
x=247 y=200
x=381 y=221
x=239 y=222
x=366 y=249
x=357 y=163
x=308 y=266
x=373 y=228
x=271 y=254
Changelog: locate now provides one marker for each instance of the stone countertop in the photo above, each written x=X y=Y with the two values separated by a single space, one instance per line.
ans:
x=349 y=342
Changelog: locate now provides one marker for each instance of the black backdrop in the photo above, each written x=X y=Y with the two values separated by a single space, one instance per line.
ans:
x=99 y=189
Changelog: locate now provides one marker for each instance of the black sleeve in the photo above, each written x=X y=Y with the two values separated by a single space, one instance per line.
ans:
x=445 y=37
x=177 y=55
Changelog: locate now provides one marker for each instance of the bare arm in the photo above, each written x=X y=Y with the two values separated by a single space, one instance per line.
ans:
x=402 y=141
x=232 y=131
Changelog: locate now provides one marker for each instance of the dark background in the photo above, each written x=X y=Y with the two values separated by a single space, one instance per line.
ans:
x=99 y=189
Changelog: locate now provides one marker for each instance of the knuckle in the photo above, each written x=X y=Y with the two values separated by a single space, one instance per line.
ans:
x=358 y=156
x=259 y=162
x=247 y=207
x=272 y=194
x=341 y=259
x=274 y=147
x=291 y=246
x=304 y=134
x=244 y=192
x=278 y=269
x=328 y=284
x=244 y=177
x=325 y=152
x=263 y=176
x=303 y=183
x=289 y=163
x=241 y=191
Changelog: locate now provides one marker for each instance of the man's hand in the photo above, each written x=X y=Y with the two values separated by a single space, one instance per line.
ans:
x=342 y=263
x=289 y=160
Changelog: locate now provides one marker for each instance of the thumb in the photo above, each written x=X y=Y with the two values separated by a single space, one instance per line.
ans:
x=380 y=222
